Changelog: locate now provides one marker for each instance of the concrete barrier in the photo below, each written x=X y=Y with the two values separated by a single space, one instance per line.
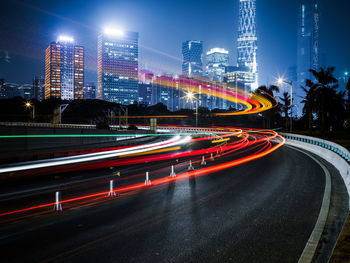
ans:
x=334 y=153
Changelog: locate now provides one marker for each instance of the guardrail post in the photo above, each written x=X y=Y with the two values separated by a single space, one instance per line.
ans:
x=172 y=173
x=58 y=205
x=111 y=189
x=203 y=162
x=190 y=167
x=147 y=181
x=211 y=157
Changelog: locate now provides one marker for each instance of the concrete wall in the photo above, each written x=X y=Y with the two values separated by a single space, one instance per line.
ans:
x=27 y=144
x=330 y=151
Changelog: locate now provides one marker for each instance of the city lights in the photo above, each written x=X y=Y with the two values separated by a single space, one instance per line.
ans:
x=64 y=38
x=113 y=31
x=280 y=80
x=28 y=104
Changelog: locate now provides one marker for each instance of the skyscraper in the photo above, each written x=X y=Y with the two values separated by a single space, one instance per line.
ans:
x=90 y=91
x=247 y=40
x=308 y=40
x=64 y=70
x=78 y=73
x=145 y=87
x=39 y=88
x=217 y=61
x=117 y=66
x=192 y=64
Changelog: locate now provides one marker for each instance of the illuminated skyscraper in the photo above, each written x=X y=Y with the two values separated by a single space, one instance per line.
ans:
x=90 y=91
x=39 y=88
x=308 y=40
x=64 y=70
x=192 y=58
x=78 y=73
x=117 y=66
x=247 y=40
x=217 y=61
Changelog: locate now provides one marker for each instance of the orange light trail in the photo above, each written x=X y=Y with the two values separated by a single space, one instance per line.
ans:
x=265 y=136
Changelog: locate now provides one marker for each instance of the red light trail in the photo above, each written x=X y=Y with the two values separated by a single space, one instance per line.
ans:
x=256 y=145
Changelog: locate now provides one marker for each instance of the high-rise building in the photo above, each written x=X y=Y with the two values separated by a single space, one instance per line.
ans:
x=39 y=88
x=308 y=40
x=217 y=61
x=79 y=73
x=145 y=87
x=117 y=66
x=192 y=64
x=64 y=70
x=247 y=41
x=166 y=90
x=90 y=91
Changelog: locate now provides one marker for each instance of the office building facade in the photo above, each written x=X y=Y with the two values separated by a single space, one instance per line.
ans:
x=64 y=70
x=192 y=62
x=90 y=91
x=117 y=66
x=217 y=61
x=39 y=88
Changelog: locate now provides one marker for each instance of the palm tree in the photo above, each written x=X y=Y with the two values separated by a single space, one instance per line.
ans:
x=348 y=89
x=309 y=101
x=285 y=107
x=268 y=92
x=325 y=82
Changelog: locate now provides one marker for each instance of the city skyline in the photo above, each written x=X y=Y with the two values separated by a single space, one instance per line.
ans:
x=157 y=54
x=269 y=68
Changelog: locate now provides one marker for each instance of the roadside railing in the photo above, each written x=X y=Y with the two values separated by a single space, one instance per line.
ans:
x=336 y=148
x=334 y=153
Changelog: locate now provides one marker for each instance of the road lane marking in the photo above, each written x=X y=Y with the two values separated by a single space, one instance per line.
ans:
x=311 y=245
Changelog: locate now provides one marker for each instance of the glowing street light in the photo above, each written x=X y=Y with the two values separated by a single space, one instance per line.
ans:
x=282 y=81
x=190 y=96
x=30 y=106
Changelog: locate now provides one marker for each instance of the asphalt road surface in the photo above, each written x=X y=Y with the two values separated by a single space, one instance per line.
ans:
x=261 y=211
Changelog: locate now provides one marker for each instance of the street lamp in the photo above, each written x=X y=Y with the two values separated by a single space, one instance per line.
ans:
x=281 y=81
x=190 y=96
x=30 y=106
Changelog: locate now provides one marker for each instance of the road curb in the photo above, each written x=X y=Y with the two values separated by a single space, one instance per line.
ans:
x=311 y=245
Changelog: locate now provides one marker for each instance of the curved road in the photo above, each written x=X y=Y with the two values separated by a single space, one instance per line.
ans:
x=261 y=211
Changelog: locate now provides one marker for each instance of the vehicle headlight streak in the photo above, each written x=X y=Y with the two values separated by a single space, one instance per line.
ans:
x=97 y=156
x=260 y=143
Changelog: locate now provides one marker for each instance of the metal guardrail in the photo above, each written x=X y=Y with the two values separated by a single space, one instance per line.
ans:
x=48 y=125
x=340 y=150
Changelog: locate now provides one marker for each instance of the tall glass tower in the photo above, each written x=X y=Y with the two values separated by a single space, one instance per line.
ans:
x=117 y=66
x=192 y=64
x=308 y=40
x=247 y=40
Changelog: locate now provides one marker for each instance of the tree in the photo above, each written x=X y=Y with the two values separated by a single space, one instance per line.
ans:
x=325 y=83
x=268 y=92
x=310 y=101
x=348 y=102
x=285 y=108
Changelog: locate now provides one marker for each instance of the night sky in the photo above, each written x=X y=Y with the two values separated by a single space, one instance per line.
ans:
x=27 y=27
